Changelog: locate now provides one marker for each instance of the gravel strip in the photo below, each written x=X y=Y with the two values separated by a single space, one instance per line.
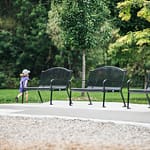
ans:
x=32 y=133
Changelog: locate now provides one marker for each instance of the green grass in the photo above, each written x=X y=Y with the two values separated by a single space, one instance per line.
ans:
x=8 y=96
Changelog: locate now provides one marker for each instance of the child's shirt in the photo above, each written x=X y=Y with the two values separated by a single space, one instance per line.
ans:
x=23 y=83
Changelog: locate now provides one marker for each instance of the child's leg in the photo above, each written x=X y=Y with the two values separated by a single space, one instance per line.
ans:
x=26 y=93
x=17 y=97
x=20 y=94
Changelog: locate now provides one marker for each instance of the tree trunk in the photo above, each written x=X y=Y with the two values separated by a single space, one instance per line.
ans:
x=83 y=71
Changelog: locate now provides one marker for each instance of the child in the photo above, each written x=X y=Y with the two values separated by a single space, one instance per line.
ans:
x=23 y=83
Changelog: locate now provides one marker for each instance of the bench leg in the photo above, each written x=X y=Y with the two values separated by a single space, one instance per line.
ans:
x=51 y=95
x=40 y=96
x=148 y=98
x=128 y=100
x=69 y=96
x=89 y=98
x=104 y=93
x=123 y=98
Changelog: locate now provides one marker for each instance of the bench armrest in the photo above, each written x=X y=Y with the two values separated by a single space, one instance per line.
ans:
x=104 y=82
x=111 y=81
x=53 y=80
x=128 y=84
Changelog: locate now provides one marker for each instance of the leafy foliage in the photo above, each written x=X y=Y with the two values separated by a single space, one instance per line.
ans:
x=132 y=49
x=23 y=40
x=81 y=21
x=126 y=6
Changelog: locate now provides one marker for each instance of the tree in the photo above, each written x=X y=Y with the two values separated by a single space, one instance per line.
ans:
x=132 y=49
x=80 y=22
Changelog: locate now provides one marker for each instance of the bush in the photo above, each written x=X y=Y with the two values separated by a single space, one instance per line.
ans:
x=2 y=80
x=33 y=82
x=12 y=83
x=8 y=82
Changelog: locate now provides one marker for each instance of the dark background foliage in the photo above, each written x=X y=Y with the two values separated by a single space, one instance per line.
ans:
x=24 y=42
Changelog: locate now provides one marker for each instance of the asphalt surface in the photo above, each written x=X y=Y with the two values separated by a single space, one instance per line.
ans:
x=113 y=112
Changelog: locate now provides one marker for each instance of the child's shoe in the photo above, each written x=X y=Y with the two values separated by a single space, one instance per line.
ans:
x=16 y=99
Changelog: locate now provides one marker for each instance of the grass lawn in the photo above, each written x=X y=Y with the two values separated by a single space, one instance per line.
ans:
x=8 y=96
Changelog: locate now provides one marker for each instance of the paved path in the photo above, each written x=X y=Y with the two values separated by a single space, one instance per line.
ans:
x=113 y=111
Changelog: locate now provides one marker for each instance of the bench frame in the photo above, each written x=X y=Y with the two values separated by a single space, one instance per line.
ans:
x=53 y=79
x=145 y=91
x=104 y=79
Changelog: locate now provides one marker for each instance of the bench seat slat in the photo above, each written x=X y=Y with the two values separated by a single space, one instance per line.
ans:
x=139 y=90
x=97 y=89
x=45 y=88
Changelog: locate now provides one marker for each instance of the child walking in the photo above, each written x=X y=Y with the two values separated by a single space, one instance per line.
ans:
x=23 y=83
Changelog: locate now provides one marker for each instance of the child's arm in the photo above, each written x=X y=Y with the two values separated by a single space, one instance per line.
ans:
x=25 y=83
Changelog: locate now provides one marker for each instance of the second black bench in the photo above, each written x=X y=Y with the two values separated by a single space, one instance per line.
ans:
x=104 y=79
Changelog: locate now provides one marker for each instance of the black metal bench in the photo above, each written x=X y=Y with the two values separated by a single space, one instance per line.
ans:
x=104 y=79
x=145 y=90
x=57 y=78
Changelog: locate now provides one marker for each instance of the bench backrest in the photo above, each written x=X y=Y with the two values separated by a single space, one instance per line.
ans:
x=60 y=75
x=115 y=76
